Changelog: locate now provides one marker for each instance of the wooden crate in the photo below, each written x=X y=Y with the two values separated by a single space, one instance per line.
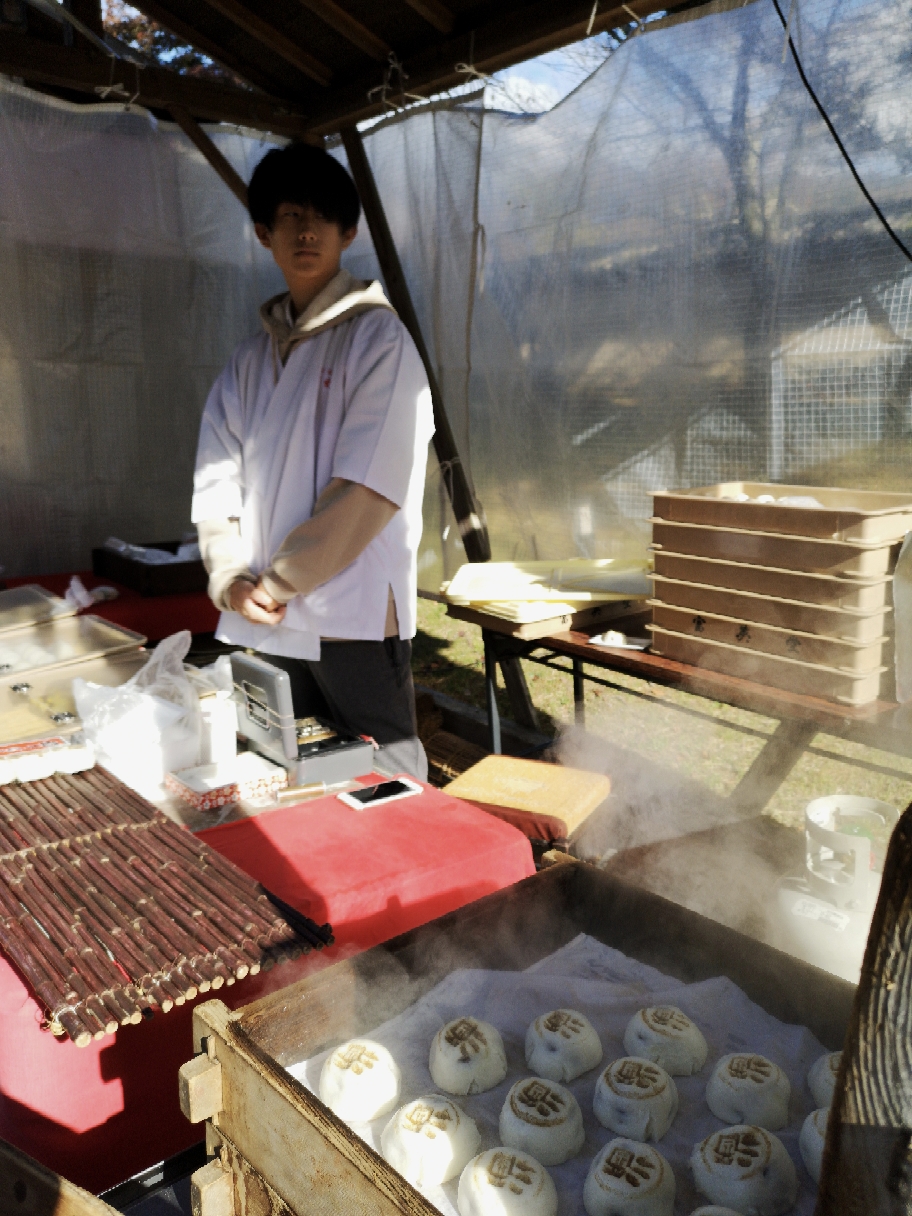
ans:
x=30 y=1189
x=279 y=1150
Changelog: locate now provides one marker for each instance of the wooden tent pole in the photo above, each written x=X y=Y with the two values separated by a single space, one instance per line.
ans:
x=198 y=136
x=469 y=513
x=867 y=1162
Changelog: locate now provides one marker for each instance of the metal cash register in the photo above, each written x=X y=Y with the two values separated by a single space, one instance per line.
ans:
x=312 y=749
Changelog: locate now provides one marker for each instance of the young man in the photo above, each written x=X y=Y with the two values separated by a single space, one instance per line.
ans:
x=310 y=469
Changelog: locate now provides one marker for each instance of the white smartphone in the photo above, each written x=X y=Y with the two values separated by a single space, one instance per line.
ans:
x=376 y=795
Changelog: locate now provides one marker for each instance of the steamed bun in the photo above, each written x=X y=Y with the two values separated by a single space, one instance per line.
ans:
x=745 y=1168
x=502 y=1182
x=544 y=1119
x=667 y=1036
x=429 y=1140
x=749 y=1089
x=561 y=1045
x=822 y=1078
x=811 y=1140
x=467 y=1057
x=629 y=1179
x=360 y=1081
x=636 y=1098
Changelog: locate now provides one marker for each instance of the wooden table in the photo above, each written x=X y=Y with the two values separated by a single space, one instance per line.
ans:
x=879 y=724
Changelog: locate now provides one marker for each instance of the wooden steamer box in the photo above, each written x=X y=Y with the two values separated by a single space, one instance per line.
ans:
x=279 y=1150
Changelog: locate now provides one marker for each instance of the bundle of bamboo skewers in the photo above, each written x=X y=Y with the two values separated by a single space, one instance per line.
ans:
x=110 y=910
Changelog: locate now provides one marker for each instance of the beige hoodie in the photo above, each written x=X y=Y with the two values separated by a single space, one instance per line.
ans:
x=347 y=516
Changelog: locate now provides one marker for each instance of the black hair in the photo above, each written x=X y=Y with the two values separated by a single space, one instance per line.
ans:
x=308 y=176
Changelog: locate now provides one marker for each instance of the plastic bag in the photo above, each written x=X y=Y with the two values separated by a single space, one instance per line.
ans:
x=149 y=726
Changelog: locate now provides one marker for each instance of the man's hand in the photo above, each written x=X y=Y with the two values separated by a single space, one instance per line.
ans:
x=254 y=603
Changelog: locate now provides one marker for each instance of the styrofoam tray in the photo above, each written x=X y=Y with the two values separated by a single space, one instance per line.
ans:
x=865 y=515
x=814 y=680
x=867 y=595
x=808 y=554
x=769 y=639
x=823 y=620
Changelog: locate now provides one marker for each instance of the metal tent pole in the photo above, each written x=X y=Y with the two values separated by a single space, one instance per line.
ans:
x=468 y=511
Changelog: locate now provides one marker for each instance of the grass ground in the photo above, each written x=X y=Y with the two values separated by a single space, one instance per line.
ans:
x=709 y=742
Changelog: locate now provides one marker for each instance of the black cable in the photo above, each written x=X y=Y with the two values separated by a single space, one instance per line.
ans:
x=839 y=144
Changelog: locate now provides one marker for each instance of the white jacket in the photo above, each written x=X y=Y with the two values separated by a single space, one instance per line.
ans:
x=352 y=402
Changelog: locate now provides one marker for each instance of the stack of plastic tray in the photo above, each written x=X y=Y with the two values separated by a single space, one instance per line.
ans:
x=788 y=593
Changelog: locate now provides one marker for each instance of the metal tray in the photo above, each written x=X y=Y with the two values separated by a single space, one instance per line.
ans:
x=31 y=605
x=826 y=621
x=865 y=515
x=864 y=595
x=814 y=680
x=42 y=704
x=278 y=1145
x=807 y=554
x=58 y=643
x=855 y=657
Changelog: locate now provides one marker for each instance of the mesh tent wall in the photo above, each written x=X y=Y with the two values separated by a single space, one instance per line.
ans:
x=669 y=279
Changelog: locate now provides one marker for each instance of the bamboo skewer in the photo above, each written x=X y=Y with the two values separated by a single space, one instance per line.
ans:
x=108 y=909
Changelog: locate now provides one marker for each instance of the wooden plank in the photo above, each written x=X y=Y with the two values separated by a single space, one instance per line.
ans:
x=435 y=13
x=467 y=509
x=718 y=686
x=524 y=711
x=272 y=38
x=29 y=1189
x=500 y=43
x=312 y=1160
x=772 y=765
x=586 y=618
x=165 y=16
x=156 y=88
x=343 y=23
x=204 y=144
x=89 y=13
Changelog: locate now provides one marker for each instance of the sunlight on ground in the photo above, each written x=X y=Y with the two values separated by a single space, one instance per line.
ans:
x=708 y=742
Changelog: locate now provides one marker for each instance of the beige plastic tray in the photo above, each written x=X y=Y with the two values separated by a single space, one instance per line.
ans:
x=768 y=639
x=849 y=688
x=819 y=619
x=30 y=605
x=864 y=595
x=867 y=515
x=807 y=554
x=42 y=704
x=69 y=640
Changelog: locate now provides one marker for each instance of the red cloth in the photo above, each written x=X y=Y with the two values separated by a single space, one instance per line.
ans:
x=531 y=823
x=99 y=1114
x=154 y=616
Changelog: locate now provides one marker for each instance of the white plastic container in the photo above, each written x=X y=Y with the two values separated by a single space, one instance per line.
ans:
x=218 y=729
x=824 y=914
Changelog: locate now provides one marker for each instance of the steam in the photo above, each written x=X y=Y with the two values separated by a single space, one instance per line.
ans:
x=728 y=875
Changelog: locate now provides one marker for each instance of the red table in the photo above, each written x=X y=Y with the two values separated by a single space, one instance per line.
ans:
x=154 y=616
x=100 y=1114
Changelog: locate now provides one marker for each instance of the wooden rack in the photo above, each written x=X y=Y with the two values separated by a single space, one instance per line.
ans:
x=111 y=911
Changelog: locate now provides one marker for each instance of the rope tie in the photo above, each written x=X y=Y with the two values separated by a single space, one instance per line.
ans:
x=393 y=68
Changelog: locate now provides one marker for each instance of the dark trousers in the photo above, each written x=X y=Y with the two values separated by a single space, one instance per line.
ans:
x=367 y=688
